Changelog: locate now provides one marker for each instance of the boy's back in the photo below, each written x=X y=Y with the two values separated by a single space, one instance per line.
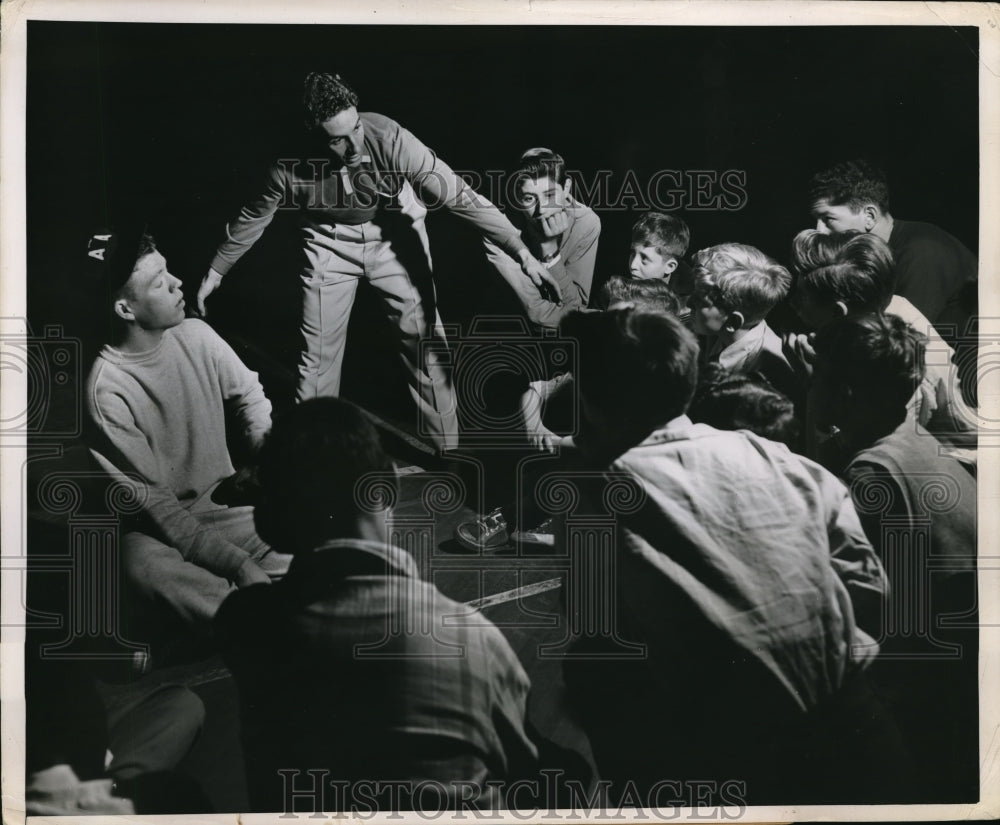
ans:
x=739 y=535
x=348 y=666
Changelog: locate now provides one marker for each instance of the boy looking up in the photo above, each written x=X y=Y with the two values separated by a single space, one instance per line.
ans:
x=156 y=401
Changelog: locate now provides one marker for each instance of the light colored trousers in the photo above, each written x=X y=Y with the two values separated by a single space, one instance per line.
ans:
x=162 y=580
x=393 y=254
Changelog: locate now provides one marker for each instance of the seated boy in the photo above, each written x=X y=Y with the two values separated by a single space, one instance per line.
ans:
x=659 y=243
x=744 y=571
x=736 y=401
x=558 y=230
x=156 y=403
x=548 y=413
x=353 y=665
x=934 y=270
x=547 y=401
x=736 y=286
x=845 y=274
x=918 y=508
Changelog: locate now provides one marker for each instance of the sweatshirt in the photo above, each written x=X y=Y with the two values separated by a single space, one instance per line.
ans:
x=325 y=193
x=159 y=416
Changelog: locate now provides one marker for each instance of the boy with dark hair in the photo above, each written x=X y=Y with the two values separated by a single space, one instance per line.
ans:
x=742 y=561
x=737 y=401
x=649 y=293
x=736 y=286
x=548 y=414
x=918 y=508
x=361 y=197
x=933 y=269
x=156 y=401
x=557 y=229
x=852 y=273
x=353 y=665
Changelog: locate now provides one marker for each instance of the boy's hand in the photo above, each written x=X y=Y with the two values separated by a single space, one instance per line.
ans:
x=540 y=277
x=544 y=439
x=211 y=282
x=554 y=224
x=799 y=351
x=250 y=573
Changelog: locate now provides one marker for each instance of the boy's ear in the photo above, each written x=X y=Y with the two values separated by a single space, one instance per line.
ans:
x=670 y=266
x=123 y=310
x=568 y=186
x=735 y=321
x=871 y=215
x=841 y=308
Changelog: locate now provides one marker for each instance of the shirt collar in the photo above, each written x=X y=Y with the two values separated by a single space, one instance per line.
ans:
x=737 y=353
x=674 y=430
x=352 y=557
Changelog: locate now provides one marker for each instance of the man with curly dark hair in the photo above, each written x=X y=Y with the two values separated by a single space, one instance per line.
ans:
x=363 y=194
x=934 y=270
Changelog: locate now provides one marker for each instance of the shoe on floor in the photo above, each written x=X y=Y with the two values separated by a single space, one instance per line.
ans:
x=485 y=533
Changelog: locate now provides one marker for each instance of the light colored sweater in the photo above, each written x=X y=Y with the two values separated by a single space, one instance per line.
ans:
x=160 y=416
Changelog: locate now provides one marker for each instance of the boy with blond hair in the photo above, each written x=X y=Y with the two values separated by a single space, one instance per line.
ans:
x=736 y=286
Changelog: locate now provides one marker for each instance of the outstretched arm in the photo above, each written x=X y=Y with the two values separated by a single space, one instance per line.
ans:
x=438 y=185
x=244 y=231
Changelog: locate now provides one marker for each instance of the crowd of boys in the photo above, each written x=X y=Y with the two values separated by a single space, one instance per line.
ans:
x=805 y=494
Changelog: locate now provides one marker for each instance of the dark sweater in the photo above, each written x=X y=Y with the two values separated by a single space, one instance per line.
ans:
x=934 y=271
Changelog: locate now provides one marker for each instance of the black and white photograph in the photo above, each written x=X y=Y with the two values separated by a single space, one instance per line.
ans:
x=553 y=412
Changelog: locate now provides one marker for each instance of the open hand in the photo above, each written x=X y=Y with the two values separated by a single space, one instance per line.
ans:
x=211 y=282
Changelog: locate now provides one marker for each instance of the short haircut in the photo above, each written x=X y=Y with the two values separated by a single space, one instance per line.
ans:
x=739 y=401
x=667 y=234
x=310 y=466
x=880 y=357
x=737 y=277
x=854 y=267
x=653 y=294
x=147 y=246
x=637 y=367
x=853 y=183
x=540 y=162
x=325 y=95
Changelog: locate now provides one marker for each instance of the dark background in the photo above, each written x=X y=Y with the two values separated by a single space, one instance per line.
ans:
x=179 y=121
